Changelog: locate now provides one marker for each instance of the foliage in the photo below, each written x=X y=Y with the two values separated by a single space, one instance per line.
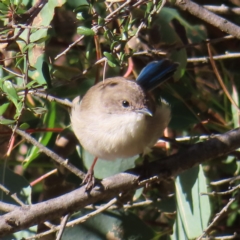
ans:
x=70 y=45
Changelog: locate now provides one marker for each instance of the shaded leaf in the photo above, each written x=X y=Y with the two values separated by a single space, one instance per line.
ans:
x=110 y=225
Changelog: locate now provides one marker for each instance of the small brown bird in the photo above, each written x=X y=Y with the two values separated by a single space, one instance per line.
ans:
x=118 y=118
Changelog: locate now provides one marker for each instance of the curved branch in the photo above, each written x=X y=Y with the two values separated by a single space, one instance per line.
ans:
x=26 y=216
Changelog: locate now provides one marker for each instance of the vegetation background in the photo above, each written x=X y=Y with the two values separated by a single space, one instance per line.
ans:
x=52 y=51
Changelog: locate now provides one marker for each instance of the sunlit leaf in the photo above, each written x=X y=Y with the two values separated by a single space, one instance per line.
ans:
x=3 y=108
x=85 y=31
x=193 y=209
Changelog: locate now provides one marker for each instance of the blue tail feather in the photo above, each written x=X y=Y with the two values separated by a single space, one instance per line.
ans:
x=155 y=73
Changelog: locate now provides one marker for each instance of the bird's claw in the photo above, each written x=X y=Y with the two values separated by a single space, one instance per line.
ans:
x=89 y=180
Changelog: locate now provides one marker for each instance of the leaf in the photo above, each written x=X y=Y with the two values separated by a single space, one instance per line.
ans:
x=85 y=31
x=110 y=225
x=43 y=138
x=37 y=52
x=24 y=126
x=44 y=18
x=82 y=7
x=112 y=61
x=15 y=184
x=194 y=210
x=11 y=93
x=83 y=16
x=164 y=25
x=39 y=110
x=3 y=108
x=18 y=185
x=46 y=74
x=5 y=121
x=104 y=168
x=195 y=32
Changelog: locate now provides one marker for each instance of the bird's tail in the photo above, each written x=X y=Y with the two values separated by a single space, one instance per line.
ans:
x=155 y=73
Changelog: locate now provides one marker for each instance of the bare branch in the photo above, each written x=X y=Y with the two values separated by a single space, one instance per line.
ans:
x=222 y=9
x=216 y=57
x=209 y=17
x=219 y=215
x=51 y=154
x=109 y=188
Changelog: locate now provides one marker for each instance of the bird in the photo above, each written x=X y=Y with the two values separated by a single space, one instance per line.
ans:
x=120 y=118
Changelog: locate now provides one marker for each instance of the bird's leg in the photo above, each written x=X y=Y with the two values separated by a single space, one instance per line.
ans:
x=89 y=178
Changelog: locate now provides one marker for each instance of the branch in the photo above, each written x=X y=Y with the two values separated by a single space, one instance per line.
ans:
x=26 y=216
x=217 y=217
x=222 y=9
x=209 y=17
x=51 y=154
x=216 y=57
x=51 y=98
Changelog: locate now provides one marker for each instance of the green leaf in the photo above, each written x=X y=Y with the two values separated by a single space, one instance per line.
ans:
x=18 y=185
x=85 y=31
x=101 y=21
x=105 y=168
x=44 y=19
x=82 y=7
x=112 y=61
x=163 y=24
x=43 y=138
x=28 y=47
x=46 y=74
x=42 y=40
x=113 y=44
x=39 y=110
x=11 y=92
x=195 y=32
x=5 y=121
x=3 y=108
x=138 y=194
x=15 y=184
x=110 y=225
x=24 y=126
x=82 y=16
x=194 y=210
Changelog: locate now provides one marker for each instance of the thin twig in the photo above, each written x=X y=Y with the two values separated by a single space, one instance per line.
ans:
x=69 y=47
x=14 y=73
x=13 y=196
x=222 y=193
x=62 y=226
x=229 y=237
x=223 y=9
x=51 y=154
x=231 y=200
x=218 y=57
x=219 y=78
x=51 y=98
x=125 y=206
x=30 y=27
x=76 y=221
x=224 y=181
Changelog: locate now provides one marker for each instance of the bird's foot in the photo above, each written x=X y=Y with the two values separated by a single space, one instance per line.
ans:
x=89 y=180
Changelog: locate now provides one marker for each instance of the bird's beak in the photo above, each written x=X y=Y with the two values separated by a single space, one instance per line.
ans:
x=145 y=111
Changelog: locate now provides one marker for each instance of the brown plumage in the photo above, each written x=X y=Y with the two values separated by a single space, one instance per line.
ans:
x=118 y=119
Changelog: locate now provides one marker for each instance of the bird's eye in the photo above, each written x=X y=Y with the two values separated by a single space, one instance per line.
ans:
x=125 y=103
